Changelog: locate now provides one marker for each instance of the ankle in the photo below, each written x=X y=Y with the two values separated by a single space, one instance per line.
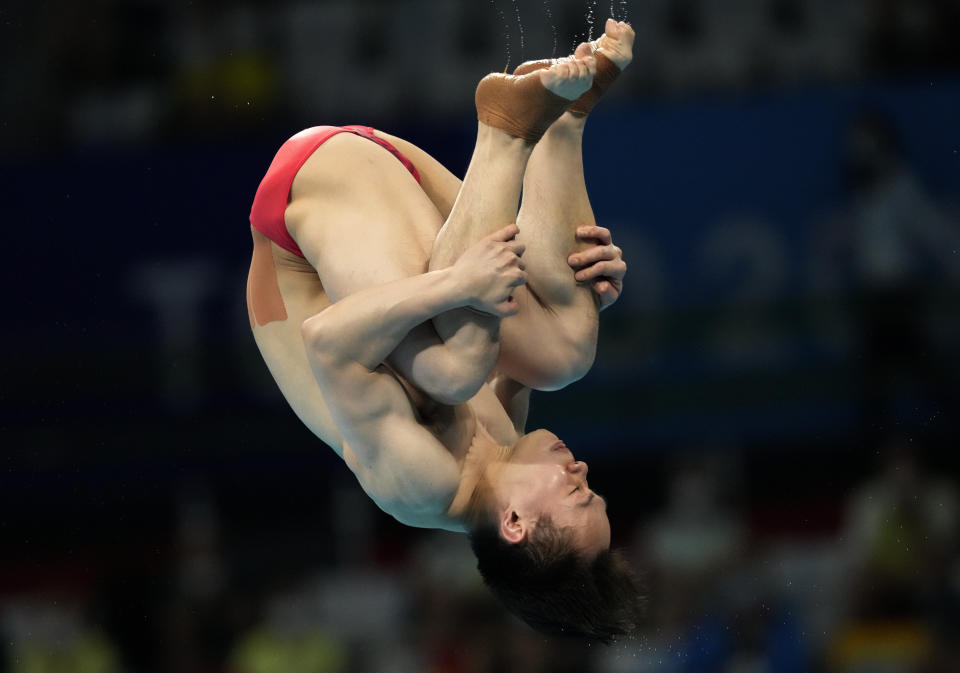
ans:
x=570 y=122
x=499 y=140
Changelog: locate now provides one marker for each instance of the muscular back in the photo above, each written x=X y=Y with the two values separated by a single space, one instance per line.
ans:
x=302 y=295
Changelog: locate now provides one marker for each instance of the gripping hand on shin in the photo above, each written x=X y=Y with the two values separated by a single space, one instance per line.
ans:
x=490 y=270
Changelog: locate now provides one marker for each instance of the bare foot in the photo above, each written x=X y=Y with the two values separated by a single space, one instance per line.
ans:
x=616 y=43
x=524 y=106
x=613 y=52
x=569 y=78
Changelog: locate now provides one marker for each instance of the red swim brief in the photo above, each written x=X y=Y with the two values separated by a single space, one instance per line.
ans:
x=273 y=194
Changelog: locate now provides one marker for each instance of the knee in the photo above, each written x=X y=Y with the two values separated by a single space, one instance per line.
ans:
x=550 y=368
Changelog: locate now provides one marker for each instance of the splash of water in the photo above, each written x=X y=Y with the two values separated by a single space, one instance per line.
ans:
x=506 y=31
x=553 y=26
x=516 y=10
x=591 y=14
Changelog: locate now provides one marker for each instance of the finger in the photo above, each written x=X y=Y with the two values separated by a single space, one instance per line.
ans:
x=593 y=232
x=591 y=65
x=605 y=268
x=519 y=279
x=517 y=248
x=508 y=308
x=595 y=254
x=504 y=234
x=615 y=269
x=608 y=293
x=578 y=66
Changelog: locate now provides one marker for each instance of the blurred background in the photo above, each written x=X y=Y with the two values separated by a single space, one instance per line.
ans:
x=773 y=411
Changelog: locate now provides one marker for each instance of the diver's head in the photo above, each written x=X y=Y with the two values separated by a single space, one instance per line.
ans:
x=542 y=541
x=541 y=477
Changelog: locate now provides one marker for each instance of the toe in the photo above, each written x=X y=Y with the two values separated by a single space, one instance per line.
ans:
x=591 y=65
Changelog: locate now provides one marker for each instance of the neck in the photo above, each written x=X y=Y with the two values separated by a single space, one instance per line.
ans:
x=483 y=453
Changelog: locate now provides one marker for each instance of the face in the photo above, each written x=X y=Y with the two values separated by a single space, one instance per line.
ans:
x=543 y=477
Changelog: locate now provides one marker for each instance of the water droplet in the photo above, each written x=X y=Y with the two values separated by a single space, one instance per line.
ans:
x=506 y=31
x=591 y=11
x=553 y=29
x=516 y=10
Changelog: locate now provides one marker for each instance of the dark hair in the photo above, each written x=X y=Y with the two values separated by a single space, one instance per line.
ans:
x=545 y=581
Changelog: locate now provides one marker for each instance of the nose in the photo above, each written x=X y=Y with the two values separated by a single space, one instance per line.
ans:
x=578 y=467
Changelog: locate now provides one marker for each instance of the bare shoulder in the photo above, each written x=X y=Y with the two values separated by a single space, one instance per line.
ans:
x=413 y=478
x=404 y=468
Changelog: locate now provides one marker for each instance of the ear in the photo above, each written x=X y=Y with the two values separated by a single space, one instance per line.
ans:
x=513 y=527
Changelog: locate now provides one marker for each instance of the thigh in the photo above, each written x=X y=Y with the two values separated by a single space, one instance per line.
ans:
x=440 y=185
x=360 y=219
x=359 y=216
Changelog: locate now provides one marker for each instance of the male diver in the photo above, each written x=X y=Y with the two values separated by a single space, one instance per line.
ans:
x=405 y=318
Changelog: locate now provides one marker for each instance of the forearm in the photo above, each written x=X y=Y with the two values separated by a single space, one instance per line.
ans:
x=365 y=327
x=449 y=372
x=467 y=335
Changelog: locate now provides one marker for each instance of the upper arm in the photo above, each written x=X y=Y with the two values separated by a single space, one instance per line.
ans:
x=361 y=401
x=400 y=464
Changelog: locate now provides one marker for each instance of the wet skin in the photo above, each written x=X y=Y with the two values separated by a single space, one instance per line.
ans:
x=543 y=477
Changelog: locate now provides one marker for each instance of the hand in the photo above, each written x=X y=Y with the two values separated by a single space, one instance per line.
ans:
x=491 y=270
x=601 y=265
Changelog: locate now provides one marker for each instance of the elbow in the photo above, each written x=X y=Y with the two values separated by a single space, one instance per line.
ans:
x=317 y=336
x=311 y=330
